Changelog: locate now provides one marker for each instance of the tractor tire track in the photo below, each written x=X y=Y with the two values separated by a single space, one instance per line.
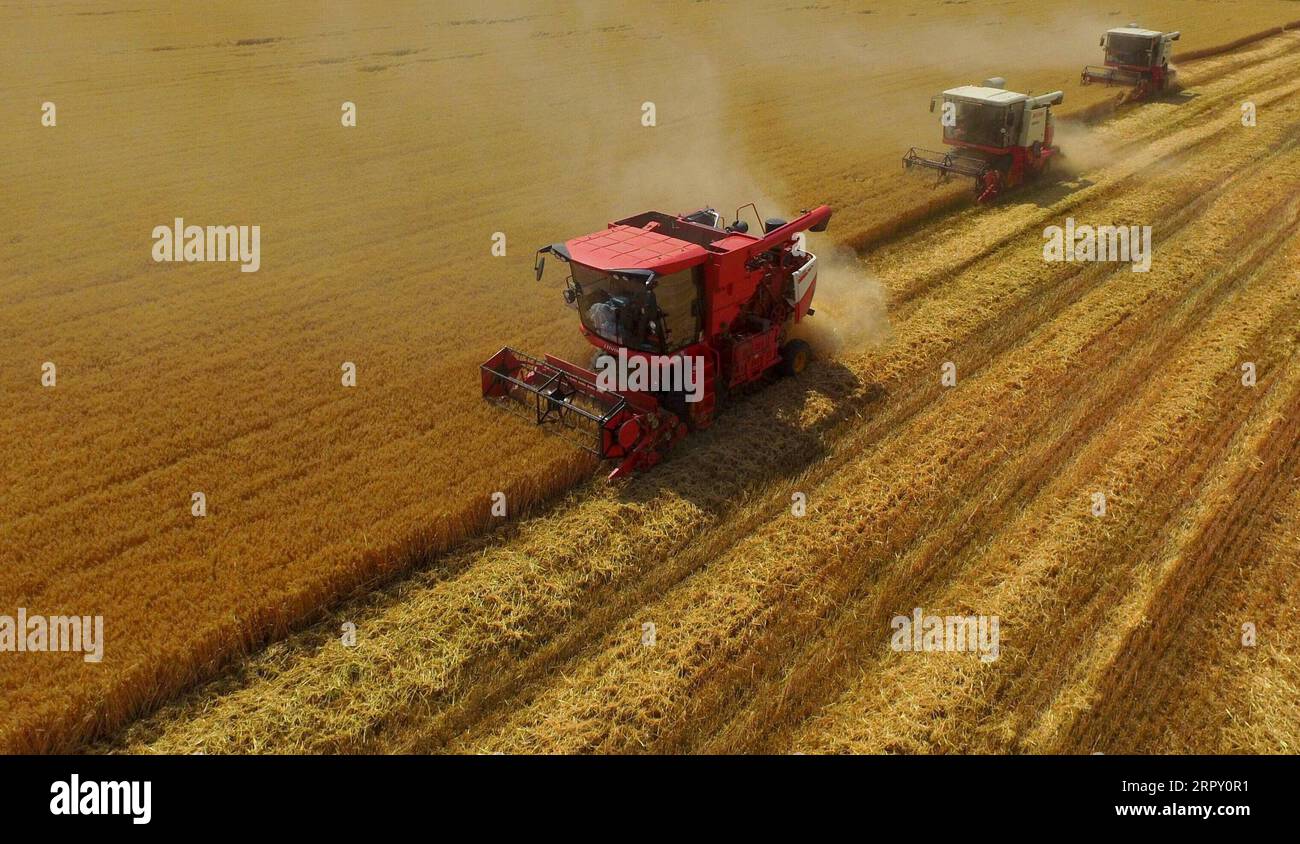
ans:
x=1142 y=680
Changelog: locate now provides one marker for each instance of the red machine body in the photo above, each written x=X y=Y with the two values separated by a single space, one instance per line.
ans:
x=999 y=138
x=1136 y=57
x=658 y=293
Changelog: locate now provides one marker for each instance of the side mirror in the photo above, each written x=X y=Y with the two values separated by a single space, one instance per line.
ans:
x=1102 y=42
x=539 y=264
x=932 y=105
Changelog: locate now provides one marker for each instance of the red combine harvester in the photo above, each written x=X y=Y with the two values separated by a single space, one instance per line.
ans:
x=1137 y=57
x=1000 y=138
x=702 y=306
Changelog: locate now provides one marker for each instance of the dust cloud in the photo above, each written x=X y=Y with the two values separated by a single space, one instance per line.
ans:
x=850 y=306
x=1081 y=148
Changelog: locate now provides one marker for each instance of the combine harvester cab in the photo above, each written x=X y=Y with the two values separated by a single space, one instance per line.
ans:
x=999 y=138
x=680 y=310
x=1136 y=57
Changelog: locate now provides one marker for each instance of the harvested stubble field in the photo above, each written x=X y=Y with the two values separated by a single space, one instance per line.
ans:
x=1118 y=634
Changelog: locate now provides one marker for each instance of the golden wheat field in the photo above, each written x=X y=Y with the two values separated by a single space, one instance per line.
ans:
x=369 y=506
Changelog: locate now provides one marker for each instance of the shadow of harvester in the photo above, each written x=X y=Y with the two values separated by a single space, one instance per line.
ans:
x=774 y=431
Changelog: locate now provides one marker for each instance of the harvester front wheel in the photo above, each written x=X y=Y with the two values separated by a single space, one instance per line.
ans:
x=794 y=357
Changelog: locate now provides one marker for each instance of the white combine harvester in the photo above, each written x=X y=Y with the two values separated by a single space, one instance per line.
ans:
x=999 y=137
x=1137 y=57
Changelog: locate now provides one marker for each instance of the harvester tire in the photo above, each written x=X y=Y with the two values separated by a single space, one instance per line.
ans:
x=794 y=357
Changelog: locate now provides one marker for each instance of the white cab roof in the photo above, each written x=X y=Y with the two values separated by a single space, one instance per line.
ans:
x=978 y=93
x=1133 y=30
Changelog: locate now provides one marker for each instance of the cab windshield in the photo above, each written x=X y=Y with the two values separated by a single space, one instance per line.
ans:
x=621 y=310
x=1128 y=49
x=978 y=123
